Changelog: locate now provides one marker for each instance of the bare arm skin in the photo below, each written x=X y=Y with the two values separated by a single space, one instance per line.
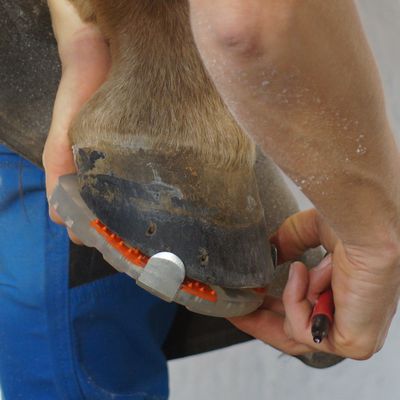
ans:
x=300 y=79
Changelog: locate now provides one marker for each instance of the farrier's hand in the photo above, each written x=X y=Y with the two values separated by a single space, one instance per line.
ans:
x=365 y=287
x=300 y=78
x=85 y=62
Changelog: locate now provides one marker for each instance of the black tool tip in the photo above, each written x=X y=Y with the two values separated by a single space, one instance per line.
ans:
x=319 y=328
x=317 y=339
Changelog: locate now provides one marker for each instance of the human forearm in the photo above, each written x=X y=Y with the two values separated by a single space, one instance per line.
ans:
x=301 y=81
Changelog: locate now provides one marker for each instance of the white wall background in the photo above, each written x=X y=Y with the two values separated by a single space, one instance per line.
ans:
x=255 y=371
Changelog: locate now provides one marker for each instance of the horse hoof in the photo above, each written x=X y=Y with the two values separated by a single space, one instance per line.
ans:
x=210 y=217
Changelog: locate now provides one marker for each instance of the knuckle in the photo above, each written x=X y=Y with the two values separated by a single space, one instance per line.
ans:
x=363 y=354
x=362 y=348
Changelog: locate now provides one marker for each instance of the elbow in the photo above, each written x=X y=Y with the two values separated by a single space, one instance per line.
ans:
x=241 y=28
x=232 y=27
x=238 y=35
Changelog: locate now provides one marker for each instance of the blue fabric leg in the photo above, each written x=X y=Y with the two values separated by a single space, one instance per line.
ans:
x=101 y=340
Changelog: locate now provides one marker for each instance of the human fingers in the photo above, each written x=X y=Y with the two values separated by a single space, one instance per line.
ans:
x=268 y=326
x=85 y=67
x=285 y=324
x=320 y=278
x=297 y=234
x=300 y=232
x=365 y=299
x=298 y=308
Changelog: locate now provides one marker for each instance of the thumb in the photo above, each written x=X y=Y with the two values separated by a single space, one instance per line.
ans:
x=85 y=62
x=297 y=234
x=82 y=76
x=300 y=232
x=57 y=155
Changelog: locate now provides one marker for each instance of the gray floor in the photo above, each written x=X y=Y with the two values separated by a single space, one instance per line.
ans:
x=255 y=371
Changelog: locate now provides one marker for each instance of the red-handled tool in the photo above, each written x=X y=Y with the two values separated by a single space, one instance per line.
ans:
x=322 y=316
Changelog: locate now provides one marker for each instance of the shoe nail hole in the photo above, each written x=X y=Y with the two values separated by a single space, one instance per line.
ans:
x=151 y=230
x=203 y=257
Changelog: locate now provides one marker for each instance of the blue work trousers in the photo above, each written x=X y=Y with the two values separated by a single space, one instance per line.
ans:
x=100 y=340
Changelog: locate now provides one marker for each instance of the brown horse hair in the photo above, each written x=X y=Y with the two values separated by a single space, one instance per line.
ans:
x=158 y=94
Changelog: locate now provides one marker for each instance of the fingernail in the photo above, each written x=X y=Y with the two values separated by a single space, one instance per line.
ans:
x=324 y=263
